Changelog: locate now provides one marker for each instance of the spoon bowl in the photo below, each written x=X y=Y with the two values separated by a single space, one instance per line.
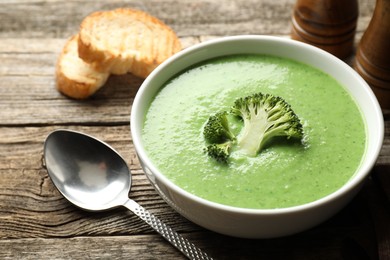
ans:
x=93 y=176
x=87 y=172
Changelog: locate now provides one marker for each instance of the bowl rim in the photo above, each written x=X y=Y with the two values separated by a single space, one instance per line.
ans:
x=361 y=173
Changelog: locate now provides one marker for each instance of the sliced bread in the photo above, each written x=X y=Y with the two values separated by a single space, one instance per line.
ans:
x=126 y=40
x=75 y=77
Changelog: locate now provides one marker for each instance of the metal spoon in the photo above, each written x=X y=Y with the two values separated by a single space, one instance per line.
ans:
x=93 y=176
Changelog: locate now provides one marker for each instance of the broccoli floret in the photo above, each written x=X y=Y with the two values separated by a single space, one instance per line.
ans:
x=216 y=129
x=219 y=152
x=264 y=116
x=218 y=133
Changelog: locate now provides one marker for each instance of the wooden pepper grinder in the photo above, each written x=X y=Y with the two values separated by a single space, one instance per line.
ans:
x=373 y=53
x=327 y=24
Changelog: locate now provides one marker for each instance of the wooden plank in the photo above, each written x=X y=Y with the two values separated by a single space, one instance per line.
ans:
x=338 y=238
x=186 y=17
x=34 y=100
x=379 y=200
x=119 y=247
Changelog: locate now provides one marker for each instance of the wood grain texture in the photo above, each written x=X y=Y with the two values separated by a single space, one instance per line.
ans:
x=339 y=238
x=59 y=19
x=36 y=222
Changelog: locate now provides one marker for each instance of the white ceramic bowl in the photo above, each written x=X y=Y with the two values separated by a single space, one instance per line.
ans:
x=257 y=223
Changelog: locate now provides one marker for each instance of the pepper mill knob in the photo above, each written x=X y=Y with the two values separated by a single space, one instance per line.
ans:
x=373 y=54
x=327 y=24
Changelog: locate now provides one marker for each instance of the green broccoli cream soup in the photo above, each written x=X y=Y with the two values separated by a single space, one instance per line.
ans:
x=286 y=172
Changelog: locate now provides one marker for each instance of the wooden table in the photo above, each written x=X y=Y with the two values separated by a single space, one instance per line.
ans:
x=36 y=222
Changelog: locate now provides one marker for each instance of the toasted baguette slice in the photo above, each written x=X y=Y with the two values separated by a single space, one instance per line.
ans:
x=74 y=77
x=126 y=40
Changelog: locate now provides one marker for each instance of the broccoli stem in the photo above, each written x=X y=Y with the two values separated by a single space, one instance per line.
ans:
x=251 y=137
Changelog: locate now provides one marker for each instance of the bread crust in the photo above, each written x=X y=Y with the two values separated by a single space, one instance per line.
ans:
x=74 y=77
x=112 y=42
x=126 y=40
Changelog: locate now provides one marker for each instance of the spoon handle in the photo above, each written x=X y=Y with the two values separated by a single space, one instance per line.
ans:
x=181 y=243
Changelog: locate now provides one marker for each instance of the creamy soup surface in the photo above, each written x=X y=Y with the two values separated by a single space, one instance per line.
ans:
x=285 y=173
